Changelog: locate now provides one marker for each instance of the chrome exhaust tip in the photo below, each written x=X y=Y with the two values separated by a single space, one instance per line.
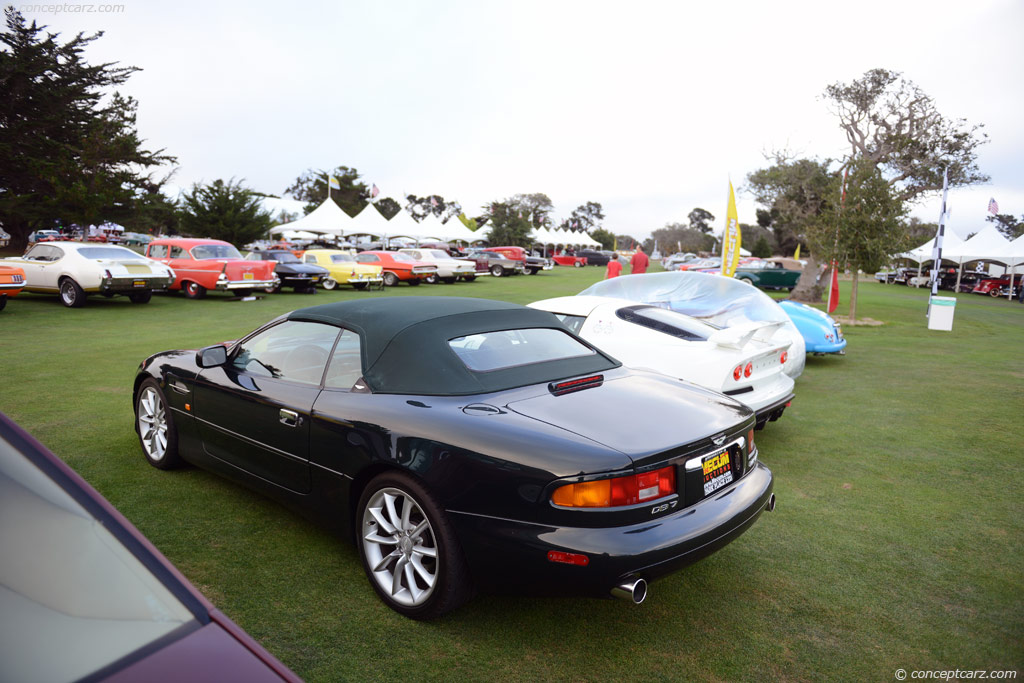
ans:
x=631 y=590
x=771 y=503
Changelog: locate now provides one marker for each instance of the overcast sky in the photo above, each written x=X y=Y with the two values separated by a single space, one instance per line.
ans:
x=646 y=107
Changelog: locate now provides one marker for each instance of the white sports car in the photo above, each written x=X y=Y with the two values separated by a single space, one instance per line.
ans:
x=76 y=269
x=744 y=361
x=448 y=269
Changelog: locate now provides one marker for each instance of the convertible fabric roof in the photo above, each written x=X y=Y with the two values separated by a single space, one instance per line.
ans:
x=405 y=343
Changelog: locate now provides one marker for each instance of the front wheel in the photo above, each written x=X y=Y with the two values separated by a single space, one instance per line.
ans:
x=408 y=548
x=577 y=264
x=194 y=290
x=994 y=293
x=71 y=295
x=432 y=279
x=497 y=271
x=329 y=283
x=155 y=425
x=141 y=297
x=390 y=279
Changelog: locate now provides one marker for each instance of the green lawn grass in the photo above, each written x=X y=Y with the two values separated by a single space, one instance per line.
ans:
x=897 y=541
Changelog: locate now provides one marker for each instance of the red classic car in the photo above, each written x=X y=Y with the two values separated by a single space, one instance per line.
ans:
x=991 y=285
x=398 y=267
x=202 y=264
x=566 y=260
x=12 y=280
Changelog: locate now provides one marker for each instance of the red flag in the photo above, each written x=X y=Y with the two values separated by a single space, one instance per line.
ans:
x=833 y=289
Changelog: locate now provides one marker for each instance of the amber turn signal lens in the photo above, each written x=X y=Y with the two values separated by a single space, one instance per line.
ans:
x=628 y=490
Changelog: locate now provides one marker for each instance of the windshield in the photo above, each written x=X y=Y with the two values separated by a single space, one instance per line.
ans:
x=284 y=257
x=399 y=256
x=74 y=598
x=109 y=253
x=342 y=258
x=438 y=254
x=208 y=251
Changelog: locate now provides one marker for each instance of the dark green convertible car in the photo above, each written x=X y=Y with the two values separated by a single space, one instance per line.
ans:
x=776 y=273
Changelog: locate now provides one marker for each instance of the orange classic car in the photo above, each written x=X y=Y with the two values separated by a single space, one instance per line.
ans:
x=398 y=267
x=12 y=280
x=204 y=264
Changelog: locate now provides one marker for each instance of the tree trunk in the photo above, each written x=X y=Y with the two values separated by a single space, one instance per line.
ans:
x=853 y=297
x=808 y=290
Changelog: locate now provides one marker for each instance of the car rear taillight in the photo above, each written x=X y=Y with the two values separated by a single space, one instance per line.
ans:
x=783 y=357
x=628 y=490
x=747 y=370
x=737 y=372
x=751 y=451
x=568 y=558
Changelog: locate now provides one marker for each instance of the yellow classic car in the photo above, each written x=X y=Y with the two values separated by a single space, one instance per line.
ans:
x=342 y=268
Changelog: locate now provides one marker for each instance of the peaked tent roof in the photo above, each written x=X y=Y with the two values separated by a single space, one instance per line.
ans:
x=326 y=219
x=988 y=244
x=369 y=221
x=1016 y=251
x=924 y=252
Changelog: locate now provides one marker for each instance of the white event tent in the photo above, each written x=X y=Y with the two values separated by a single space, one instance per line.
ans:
x=326 y=219
x=988 y=244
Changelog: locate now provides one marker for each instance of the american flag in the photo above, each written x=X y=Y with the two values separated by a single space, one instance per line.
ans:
x=993 y=207
x=374 y=192
x=433 y=202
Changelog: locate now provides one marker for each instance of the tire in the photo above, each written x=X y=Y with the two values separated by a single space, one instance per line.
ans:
x=994 y=293
x=577 y=264
x=421 y=577
x=359 y=285
x=414 y=282
x=432 y=279
x=71 y=295
x=155 y=426
x=390 y=279
x=3 y=301
x=497 y=271
x=329 y=283
x=141 y=297
x=193 y=290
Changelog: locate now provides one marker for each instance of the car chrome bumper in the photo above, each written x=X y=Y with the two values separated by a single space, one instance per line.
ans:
x=516 y=553
x=119 y=285
x=223 y=285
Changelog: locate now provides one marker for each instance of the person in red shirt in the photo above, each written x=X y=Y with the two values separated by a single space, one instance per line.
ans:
x=638 y=264
x=614 y=268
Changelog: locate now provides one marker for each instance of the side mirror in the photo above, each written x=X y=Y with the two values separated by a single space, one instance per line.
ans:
x=212 y=356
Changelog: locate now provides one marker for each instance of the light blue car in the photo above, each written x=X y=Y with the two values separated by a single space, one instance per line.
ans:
x=821 y=333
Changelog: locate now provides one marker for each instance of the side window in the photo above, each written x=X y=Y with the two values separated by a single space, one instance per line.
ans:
x=573 y=322
x=347 y=362
x=310 y=258
x=292 y=350
x=158 y=251
x=178 y=252
x=367 y=258
x=36 y=253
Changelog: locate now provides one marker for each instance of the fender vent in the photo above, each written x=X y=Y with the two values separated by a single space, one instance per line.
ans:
x=569 y=386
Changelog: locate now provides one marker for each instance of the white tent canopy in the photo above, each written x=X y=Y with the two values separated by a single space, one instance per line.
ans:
x=924 y=252
x=326 y=219
x=369 y=221
x=988 y=245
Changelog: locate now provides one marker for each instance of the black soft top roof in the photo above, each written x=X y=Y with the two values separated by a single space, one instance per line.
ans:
x=405 y=343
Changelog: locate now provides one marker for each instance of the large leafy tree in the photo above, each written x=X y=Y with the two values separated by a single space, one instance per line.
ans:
x=69 y=150
x=421 y=207
x=606 y=238
x=584 y=218
x=224 y=210
x=312 y=187
x=507 y=227
x=893 y=124
x=701 y=219
x=862 y=226
x=1008 y=225
x=677 y=237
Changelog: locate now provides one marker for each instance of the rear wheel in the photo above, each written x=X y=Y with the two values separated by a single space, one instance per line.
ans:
x=408 y=548
x=155 y=425
x=71 y=295
x=141 y=297
x=390 y=279
x=194 y=290
x=329 y=283
x=3 y=301
x=432 y=279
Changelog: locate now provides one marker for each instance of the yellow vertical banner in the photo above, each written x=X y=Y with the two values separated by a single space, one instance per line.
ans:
x=731 y=237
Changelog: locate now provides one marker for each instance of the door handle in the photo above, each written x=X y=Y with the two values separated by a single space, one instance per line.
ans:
x=290 y=418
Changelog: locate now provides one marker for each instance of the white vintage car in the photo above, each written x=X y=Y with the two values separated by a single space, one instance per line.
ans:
x=744 y=361
x=448 y=269
x=75 y=269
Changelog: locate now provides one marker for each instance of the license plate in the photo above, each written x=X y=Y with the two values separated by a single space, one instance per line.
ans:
x=717 y=472
x=247 y=276
x=139 y=283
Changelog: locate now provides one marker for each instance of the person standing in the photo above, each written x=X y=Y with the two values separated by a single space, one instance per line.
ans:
x=638 y=264
x=614 y=268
